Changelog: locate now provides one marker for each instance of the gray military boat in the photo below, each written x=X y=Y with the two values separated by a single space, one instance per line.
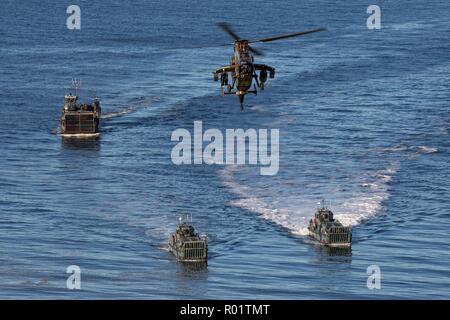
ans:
x=187 y=245
x=327 y=230
x=79 y=120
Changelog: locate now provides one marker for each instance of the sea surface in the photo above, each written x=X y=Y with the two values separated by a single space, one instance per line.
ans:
x=363 y=118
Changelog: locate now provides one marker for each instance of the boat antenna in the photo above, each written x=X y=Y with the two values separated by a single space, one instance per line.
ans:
x=323 y=204
x=76 y=84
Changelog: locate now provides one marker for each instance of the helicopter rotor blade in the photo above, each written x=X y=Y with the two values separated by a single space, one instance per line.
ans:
x=255 y=51
x=289 y=35
x=226 y=27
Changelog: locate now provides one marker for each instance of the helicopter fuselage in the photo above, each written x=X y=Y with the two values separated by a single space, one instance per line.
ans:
x=242 y=61
x=242 y=71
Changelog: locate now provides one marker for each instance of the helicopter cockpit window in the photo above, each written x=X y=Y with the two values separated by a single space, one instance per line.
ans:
x=242 y=47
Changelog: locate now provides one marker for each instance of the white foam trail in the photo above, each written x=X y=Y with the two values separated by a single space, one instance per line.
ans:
x=122 y=112
x=143 y=102
x=396 y=148
x=409 y=26
x=425 y=150
x=281 y=216
x=357 y=208
x=406 y=148
x=258 y=108
x=366 y=205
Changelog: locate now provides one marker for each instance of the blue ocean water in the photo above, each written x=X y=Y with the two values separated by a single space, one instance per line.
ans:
x=363 y=118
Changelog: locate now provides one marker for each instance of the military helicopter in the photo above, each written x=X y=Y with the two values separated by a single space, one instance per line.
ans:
x=242 y=68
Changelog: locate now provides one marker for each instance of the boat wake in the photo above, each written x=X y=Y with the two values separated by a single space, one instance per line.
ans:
x=136 y=104
x=407 y=148
x=119 y=113
x=351 y=206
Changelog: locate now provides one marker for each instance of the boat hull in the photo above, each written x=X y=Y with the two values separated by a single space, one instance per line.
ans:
x=197 y=251
x=325 y=240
